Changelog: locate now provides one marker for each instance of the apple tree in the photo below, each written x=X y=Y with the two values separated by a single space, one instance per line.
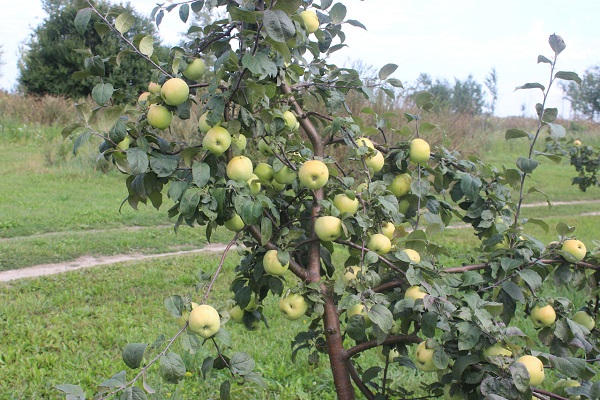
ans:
x=281 y=160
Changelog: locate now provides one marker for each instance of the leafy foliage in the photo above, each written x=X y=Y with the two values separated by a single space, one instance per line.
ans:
x=584 y=94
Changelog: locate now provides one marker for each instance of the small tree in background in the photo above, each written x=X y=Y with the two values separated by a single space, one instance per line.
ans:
x=491 y=83
x=585 y=99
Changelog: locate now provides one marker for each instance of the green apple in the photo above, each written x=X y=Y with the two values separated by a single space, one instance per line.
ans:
x=388 y=229
x=311 y=20
x=362 y=188
x=236 y=314
x=575 y=247
x=154 y=88
x=252 y=304
x=195 y=70
x=576 y=142
x=254 y=184
x=217 y=140
x=392 y=353
x=375 y=162
x=290 y=119
x=204 y=321
x=359 y=309
x=543 y=317
x=239 y=169
x=293 y=306
x=143 y=99
x=448 y=396
x=235 y=223
x=403 y=206
x=562 y=384
x=584 y=319
x=379 y=243
x=264 y=147
x=328 y=228
x=202 y=124
x=122 y=146
x=313 y=174
x=414 y=292
x=400 y=185
x=413 y=255
x=240 y=141
x=285 y=175
x=342 y=202
x=264 y=171
x=278 y=187
x=159 y=116
x=272 y=265
x=185 y=316
x=424 y=357
x=175 y=92
x=534 y=367
x=350 y=274
x=419 y=151
x=363 y=141
x=497 y=350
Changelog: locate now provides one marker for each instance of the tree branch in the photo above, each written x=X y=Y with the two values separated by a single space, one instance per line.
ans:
x=351 y=352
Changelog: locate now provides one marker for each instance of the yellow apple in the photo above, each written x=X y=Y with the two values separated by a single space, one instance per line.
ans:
x=400 y=185
x=154 y=88
x=293 y=306
x=359 y=309
x=584 y=319
x=272 y=265
x=159 y=117
x=424 y=357
x=543 y=317
x=236 y=314
x=285 y=175
x=143 y=99
x=375 y=162
x=342 y=202
x=413 y=255
x=203 y=125
x=217 y=140
x=195 y=69
x=254 y=184
x=235 y=223
x=388 y=229
x=363 y=141
x=264 y=171
x=313 y=174
x=175 y=92
x=328 y=228
x=350 y=274
x=534 y=367
x=497 y=350
x=204 y=321
x=240 y=141
x=311 y=20
x=185 y=316
x=414 y=292
x=379 y=243
x=239 y=169
x=290 y=119
x=419 y=151
x=576 y=142
x=575 y=247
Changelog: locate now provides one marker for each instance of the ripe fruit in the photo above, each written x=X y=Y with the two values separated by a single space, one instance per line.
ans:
x=252 y=304
x=574 y=247
x=576 y=142
x=392 y=353
x=543 y=317
x=204 y=321
x=185 y=316
x=235 y=223
x=290 y=119
x=342 y=202
x=424 y=358
x=293 y=306
x=217 y=140
x=159 y=117
x=254 y=184
x=122 y=146
x=375 y=162
x=202 y=124
x=272 y=265
x=328 y=228
x=584 y=319
x=497 y=350
x=236 y=314
x=175 y=92
x=195 y=69
x=359 y=309
x=379 y=243
x=350 y=274
x=264 y=148
x=154 y=88
x=239 y=141
x=264 y=171
x=311 y=20
x=285 y=175
x=313 y=174
x=388 y=229
x=562 y=384
x=414 y=292
x=363 y=141
x=535 y=368
x=240 y=168
x=419 y=151
x=143 y=99
x=413 y=255
x=400 y=185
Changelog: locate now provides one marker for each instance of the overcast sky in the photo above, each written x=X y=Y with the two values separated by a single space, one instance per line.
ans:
x=445 y=39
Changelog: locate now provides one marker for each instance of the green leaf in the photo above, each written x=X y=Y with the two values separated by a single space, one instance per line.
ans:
x=539 y=222
x=73 y=392
x=563 y=229
x=163 y=165
x=172 y=368
x=259 y=64
x=289 y=6
x=550 y=114
x=387 y=70
x=533 y=279
x=197 y=6
x=356 y=23
x=424 y=100
x=429 y=323
x=468 y=335
x=533 y=189
x=81 y=20
x=571 y=366
x=542 y=59
x=266 y=230
x=225 y=390
x=337 y=13
x=200 y=173
x=470 y=185
x=395 y=82
x=133 y=393
x=147 y=45
x=124 y=22
x=513 y=291
x=81 y=140
x=382 y=317
x=278 y=25
x=520 y=376
x=133 y=354
x=440 y=358
x=102 y=92
x=568 y=76
x=557 y=131
x=138 y=160
x=184 y=12
x=515 y=134
x=534 y=85
x=241 y=363
x=527 y=165
x=117 y=381
x=174 y=304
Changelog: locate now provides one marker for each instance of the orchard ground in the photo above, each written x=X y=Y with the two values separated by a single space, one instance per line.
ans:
x=56 y=209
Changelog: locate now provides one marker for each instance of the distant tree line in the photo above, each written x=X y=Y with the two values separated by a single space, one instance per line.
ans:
x=585 y=100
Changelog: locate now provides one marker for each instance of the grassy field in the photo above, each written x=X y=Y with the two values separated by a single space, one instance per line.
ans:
x=70 y=328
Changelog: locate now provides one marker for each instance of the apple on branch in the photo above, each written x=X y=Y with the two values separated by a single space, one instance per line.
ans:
x=535 y=367
x=272 y=265
x=240 y=169
x=293 y=306
x=195 y=70
x=313 y=174
x=204 y=321
x=543 y=316
x=159 y=116
x=419 y=151
x=328 y=228
x=175 y=92
x=342 y=202
x=217 y=140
